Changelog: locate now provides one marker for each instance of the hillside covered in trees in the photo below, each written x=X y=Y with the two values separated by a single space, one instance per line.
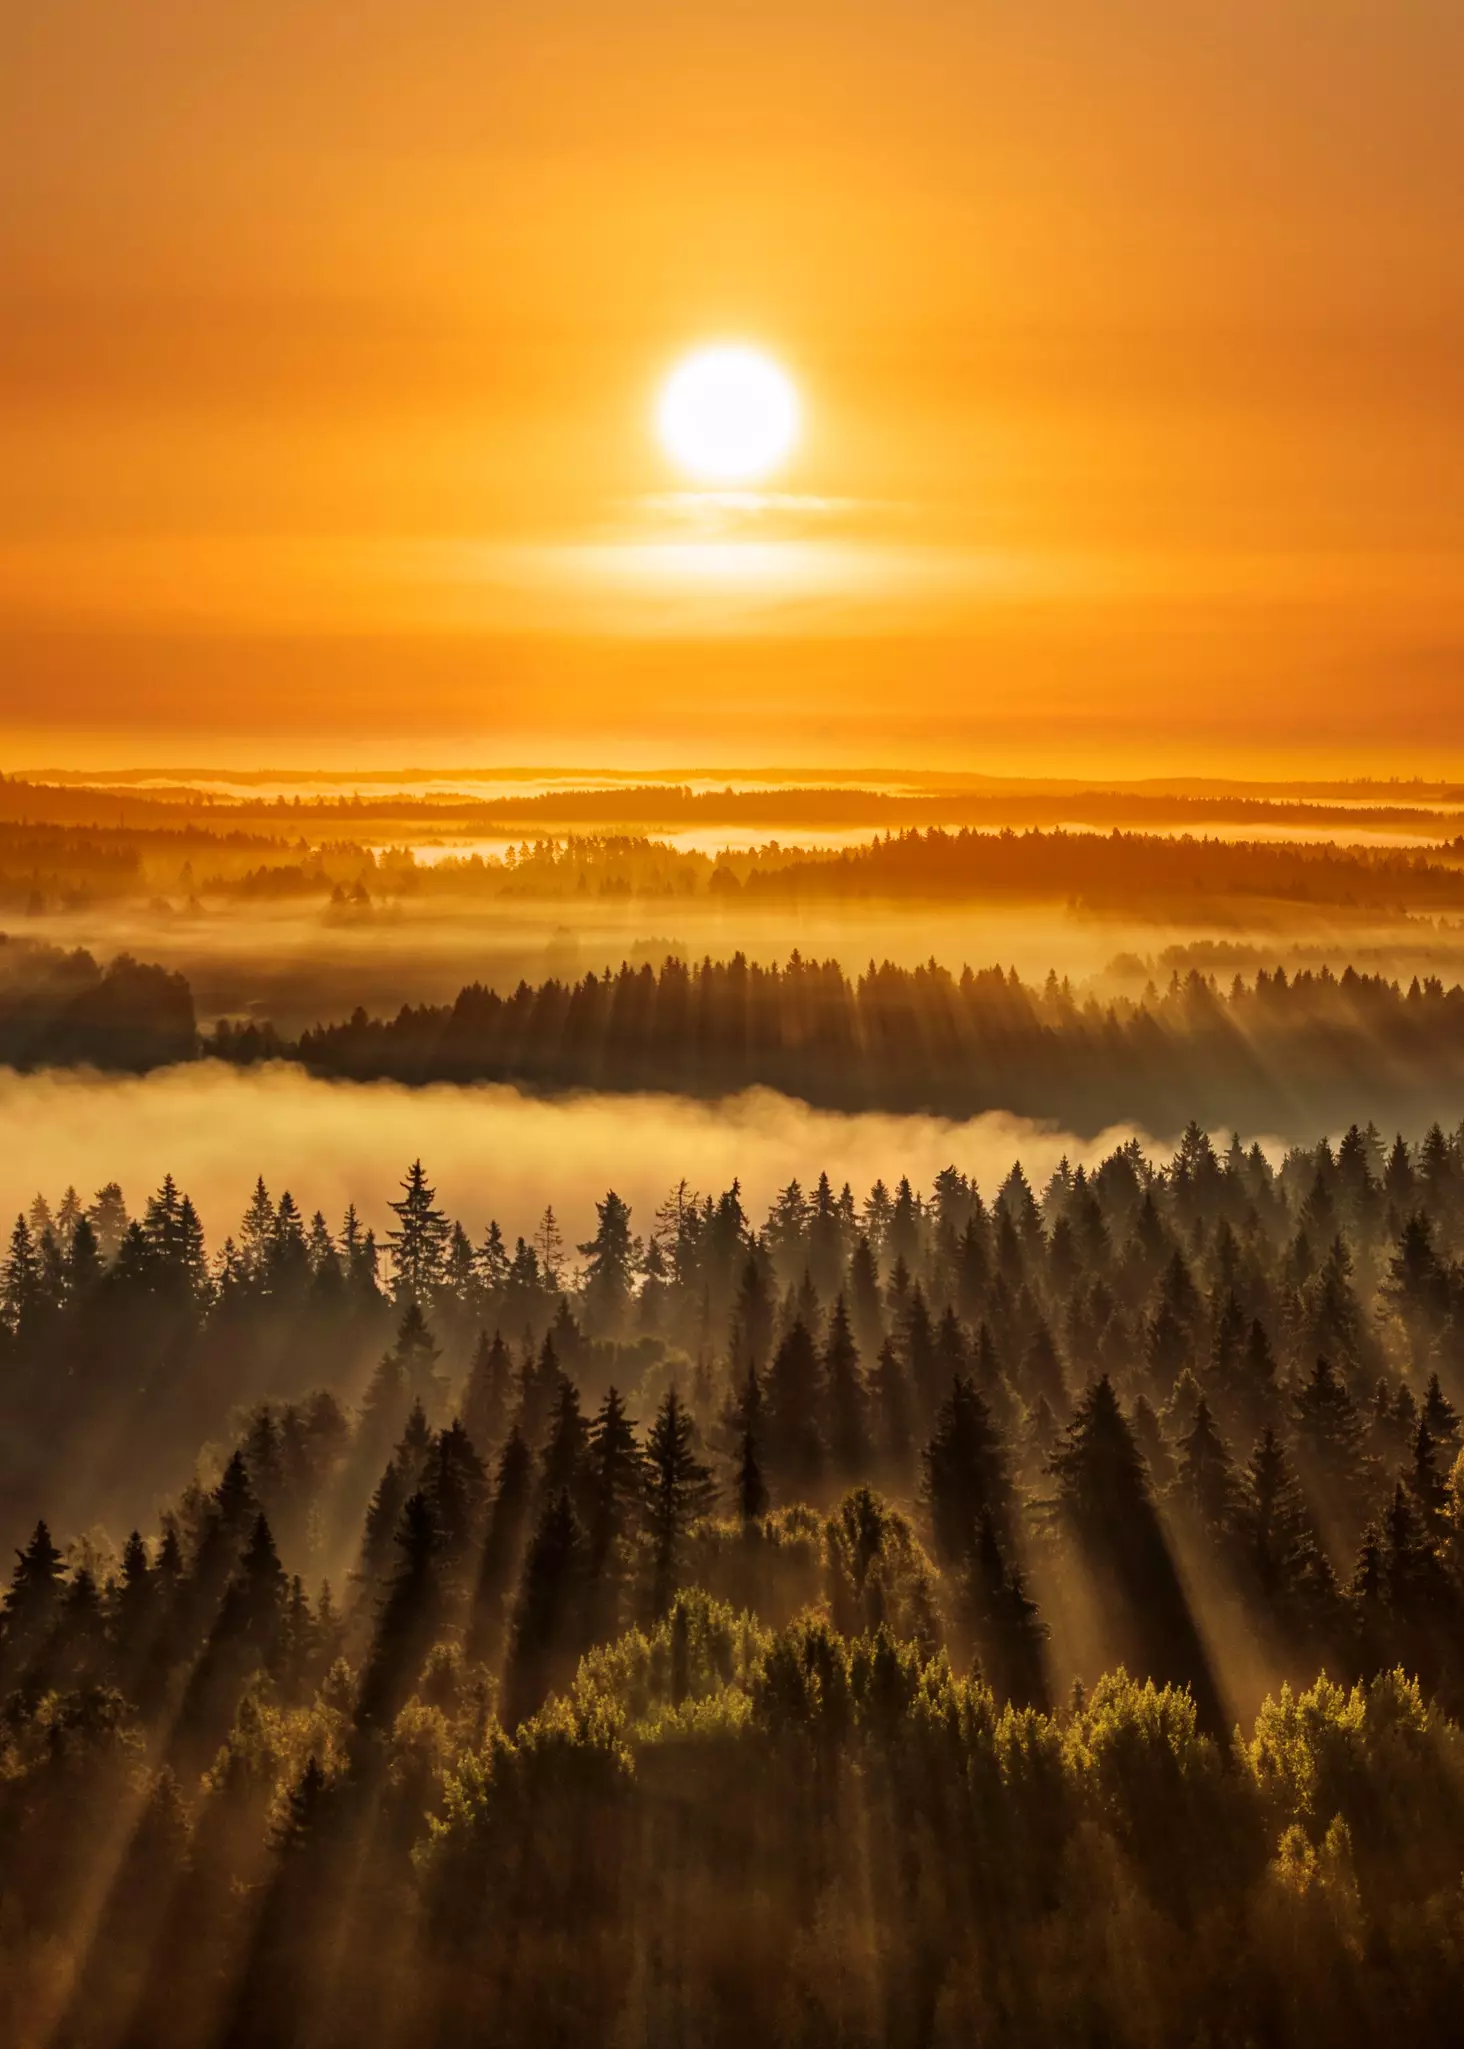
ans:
x=921 y=1617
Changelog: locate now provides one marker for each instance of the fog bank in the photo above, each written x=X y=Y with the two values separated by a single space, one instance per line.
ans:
x=490 y=1150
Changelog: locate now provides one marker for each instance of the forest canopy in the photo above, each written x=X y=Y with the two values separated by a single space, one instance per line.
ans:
x=920 y=1616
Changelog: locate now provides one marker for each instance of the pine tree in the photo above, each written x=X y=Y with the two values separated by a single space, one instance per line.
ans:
x=20 y=1290
x=501 y=1545
x=492 y=1259
x=679 y=1491
x=846 y=1429
x=419 y=1242
x=866 y=1304
x=892 y=1410
x=485 y=1401
x=611 y=1257
x=921 y=1358
x=1441 y=1417
x=1256 y=1395
x=1427 y=1492
x=1417 y=1287
x=547 y=1634
x=951 y=1351
x=1152 y=1442
x=383 y=1514
x=1277 y=1537
x=408 y=1622
x=539 y=1380
x=965 y=1475
x=306 y=1804
x=1104 y=1508
x=256 y=1235
x=108 y=1218
x=794 y=1407
x=414 y=1443
x=84 y=1262
x=456 y=1486
x=1329 y=1438
x=134 y=1604
x=253 y=1611
x=1003 y=1622
x=562 y=1463
x=752 y=1315
x=1205 y=1482
x=384 y=1408
x=235 y=1503
x=417 y=1355
x=34 y=1596
x=262 y=1456
x=613 y=1479
x=752 y=1493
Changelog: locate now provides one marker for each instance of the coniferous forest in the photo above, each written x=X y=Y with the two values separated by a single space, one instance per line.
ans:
x=939 y=1615
x=731 y=1025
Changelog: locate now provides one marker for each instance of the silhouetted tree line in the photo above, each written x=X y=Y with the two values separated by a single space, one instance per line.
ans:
x=703 y=1635
x=1281 y=1052
x=62 y=1009
x=1422 y=807
x=597 y=844
x=1111 y=871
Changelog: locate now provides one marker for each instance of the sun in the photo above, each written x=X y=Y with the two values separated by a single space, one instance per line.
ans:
x=728 y=414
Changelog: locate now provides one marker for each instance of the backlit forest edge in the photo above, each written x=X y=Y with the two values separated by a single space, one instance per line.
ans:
x=897 y=1619
x=1277 y=1052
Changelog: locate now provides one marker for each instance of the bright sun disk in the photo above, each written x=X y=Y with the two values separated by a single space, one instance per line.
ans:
x=728 y=414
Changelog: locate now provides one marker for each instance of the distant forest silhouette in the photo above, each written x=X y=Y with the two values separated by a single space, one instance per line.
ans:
x=1195 y=804
x=1273 y=1052
x=172 y=856
x=62 y=1009
x=1264 y=1052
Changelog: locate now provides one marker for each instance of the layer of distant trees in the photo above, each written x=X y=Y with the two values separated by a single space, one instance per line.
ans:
x=339 y=854
x=63 y=1009
x=147 y=803
x=1121 y=871
x=1276 y=1052
x=703 y=1631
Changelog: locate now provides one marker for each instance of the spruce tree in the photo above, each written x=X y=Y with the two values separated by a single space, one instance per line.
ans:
x=892 y=1416
x=408 y=1621
x=1205 y=1482
x=794 y=1406
x=613 y=1480
x=965 y=1476
x=1002 y=1619
x=419 y=1242
x=679 y=1491
x=33 y=1599
x=502 y=1542
x=846 y=1427
x=547 y=1633
x=561 y=1466
x=611 y=1258
x=486 y=1397
x=1278 y=1539
x=1103 y=1506
x=456 y=1485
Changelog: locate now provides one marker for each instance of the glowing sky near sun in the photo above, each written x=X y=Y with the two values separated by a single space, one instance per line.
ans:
x=1126 y=345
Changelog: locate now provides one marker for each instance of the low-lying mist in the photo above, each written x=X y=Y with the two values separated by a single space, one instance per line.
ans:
x=490 y=1150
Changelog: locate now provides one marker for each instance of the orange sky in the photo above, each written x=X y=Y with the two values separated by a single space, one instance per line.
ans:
x=1131 y=338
